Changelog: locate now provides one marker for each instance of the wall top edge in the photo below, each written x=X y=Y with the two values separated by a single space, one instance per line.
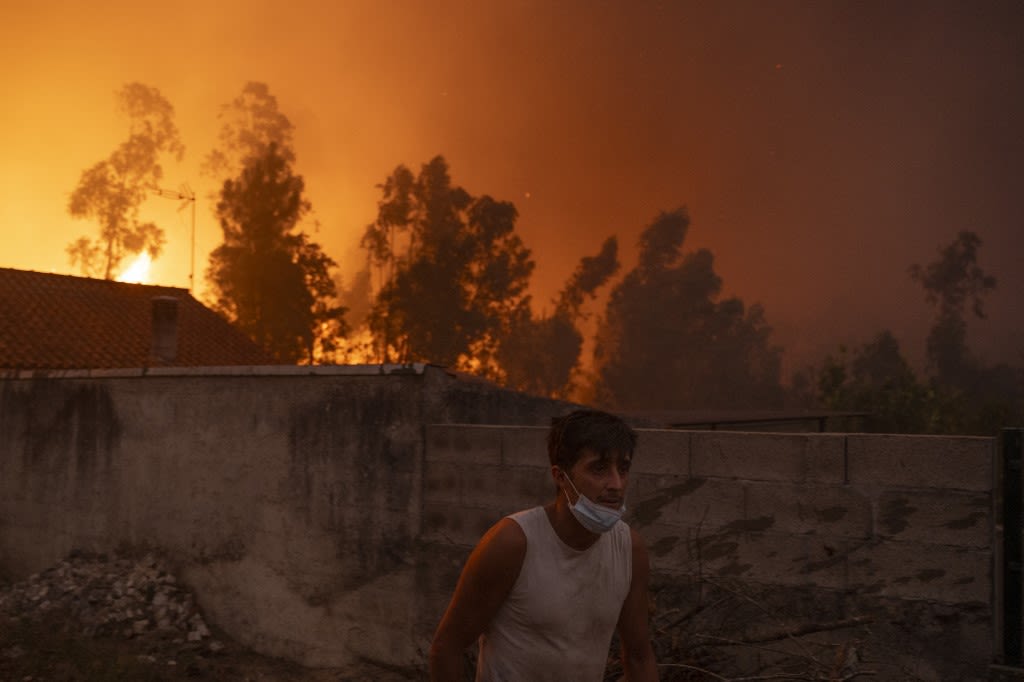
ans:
x=413 y=369
x=758 y=435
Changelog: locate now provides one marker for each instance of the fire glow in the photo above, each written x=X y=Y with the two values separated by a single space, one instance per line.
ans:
x=138 y=271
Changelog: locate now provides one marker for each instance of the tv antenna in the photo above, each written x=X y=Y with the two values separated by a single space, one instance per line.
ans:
x=184 y=194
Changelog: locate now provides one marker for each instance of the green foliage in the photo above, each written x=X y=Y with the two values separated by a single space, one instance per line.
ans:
x=112 y=190
x=267 y=276
x=453 y=271
x=667 y=340
x=879 y=381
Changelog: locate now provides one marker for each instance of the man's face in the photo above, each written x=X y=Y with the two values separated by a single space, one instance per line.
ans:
x=601 y=479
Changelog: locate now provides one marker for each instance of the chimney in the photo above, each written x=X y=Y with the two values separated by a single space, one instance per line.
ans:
x=164 y=348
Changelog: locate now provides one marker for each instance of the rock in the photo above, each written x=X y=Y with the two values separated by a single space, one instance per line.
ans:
x=109 y=596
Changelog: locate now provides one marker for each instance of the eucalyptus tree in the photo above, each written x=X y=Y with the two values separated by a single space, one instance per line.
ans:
x=112 y=190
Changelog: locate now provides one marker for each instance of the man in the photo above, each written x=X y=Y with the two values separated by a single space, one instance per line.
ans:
x=545 y=588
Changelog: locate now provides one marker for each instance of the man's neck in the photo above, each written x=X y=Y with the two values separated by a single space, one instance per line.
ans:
x=567 y=528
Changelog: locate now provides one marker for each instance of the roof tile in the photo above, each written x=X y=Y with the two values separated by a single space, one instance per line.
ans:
x=50 y=321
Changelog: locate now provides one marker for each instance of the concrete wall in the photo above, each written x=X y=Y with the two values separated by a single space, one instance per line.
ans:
x=883 y=525
x=290 y=497
x=900 y=516
x=323 y=514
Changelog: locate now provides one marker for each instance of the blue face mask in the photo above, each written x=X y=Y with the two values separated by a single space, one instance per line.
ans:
x=596 y=518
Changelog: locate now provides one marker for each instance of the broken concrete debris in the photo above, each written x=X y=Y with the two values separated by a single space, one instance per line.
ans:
x=111 y=596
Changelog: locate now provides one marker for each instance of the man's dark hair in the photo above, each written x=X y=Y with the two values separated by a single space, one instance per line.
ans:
x=594 y=430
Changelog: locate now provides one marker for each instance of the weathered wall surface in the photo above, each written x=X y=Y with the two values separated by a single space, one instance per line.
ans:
x=291 y=498
x=868 y=523
x=325 y=516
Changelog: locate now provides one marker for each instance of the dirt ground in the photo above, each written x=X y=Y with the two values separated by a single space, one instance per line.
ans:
x=67 y=624
x=52 y=650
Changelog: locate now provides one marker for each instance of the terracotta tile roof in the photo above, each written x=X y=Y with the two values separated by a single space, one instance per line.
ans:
x=63 y=322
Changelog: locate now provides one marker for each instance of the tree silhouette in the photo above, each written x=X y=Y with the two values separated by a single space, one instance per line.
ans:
x=666 y=340
x=951 y=283
x=250 y=124
x=269 y=278
x=453 y=270
x=539 y=355
x=879 y=381
x=962 y=395
x=112 y=190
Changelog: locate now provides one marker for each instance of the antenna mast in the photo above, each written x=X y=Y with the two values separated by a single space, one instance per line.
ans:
x=184 y=194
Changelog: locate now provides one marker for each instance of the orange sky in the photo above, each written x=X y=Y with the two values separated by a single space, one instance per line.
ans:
x=821 y=147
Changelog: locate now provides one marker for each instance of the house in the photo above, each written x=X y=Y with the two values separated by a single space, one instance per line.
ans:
x=50 y=321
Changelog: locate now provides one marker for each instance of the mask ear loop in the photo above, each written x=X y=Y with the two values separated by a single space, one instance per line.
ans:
x=574 y=488
x=566 y=421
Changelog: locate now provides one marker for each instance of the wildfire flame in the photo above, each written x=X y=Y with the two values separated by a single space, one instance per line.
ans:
x=138 y=271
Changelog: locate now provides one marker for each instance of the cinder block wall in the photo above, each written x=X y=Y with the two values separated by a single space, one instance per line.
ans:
x=905 y=518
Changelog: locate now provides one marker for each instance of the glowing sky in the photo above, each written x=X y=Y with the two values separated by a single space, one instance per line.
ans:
x=820 y=147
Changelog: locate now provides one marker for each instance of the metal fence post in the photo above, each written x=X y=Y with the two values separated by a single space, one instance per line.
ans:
x=1010 y=564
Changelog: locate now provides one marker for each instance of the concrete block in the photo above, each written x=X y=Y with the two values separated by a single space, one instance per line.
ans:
x=668 y=547
x=795 y=458
x=936 y=517
x=465 y=444
x=456 y=525
x=912 y=570
x=524 y=446
x=958 y=463
x=753 y=557
x=639 y=487
x=783 y=559
x=660 y=451
x=685 y=501
x=506 y=489
x=830 y=510
x=442 y=481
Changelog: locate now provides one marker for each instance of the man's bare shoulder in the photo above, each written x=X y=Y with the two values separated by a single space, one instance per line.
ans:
x=506 y=538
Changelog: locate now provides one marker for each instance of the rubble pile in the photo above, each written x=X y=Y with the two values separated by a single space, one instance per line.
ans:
x=119 y=597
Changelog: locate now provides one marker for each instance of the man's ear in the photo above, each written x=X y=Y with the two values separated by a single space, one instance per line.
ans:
x=557 y=474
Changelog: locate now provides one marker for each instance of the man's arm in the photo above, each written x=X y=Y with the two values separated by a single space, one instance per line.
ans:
x=634 y=632
x=486 y=580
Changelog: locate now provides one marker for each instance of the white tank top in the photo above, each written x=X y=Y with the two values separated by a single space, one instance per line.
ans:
x=557 y=623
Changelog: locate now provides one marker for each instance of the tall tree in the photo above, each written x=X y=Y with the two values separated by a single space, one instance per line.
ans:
x=250 y=123
x=667 y=340
x=454 y=272
x=267 y=276
x=540 y=354
x=112 y=190
x=952 y=283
